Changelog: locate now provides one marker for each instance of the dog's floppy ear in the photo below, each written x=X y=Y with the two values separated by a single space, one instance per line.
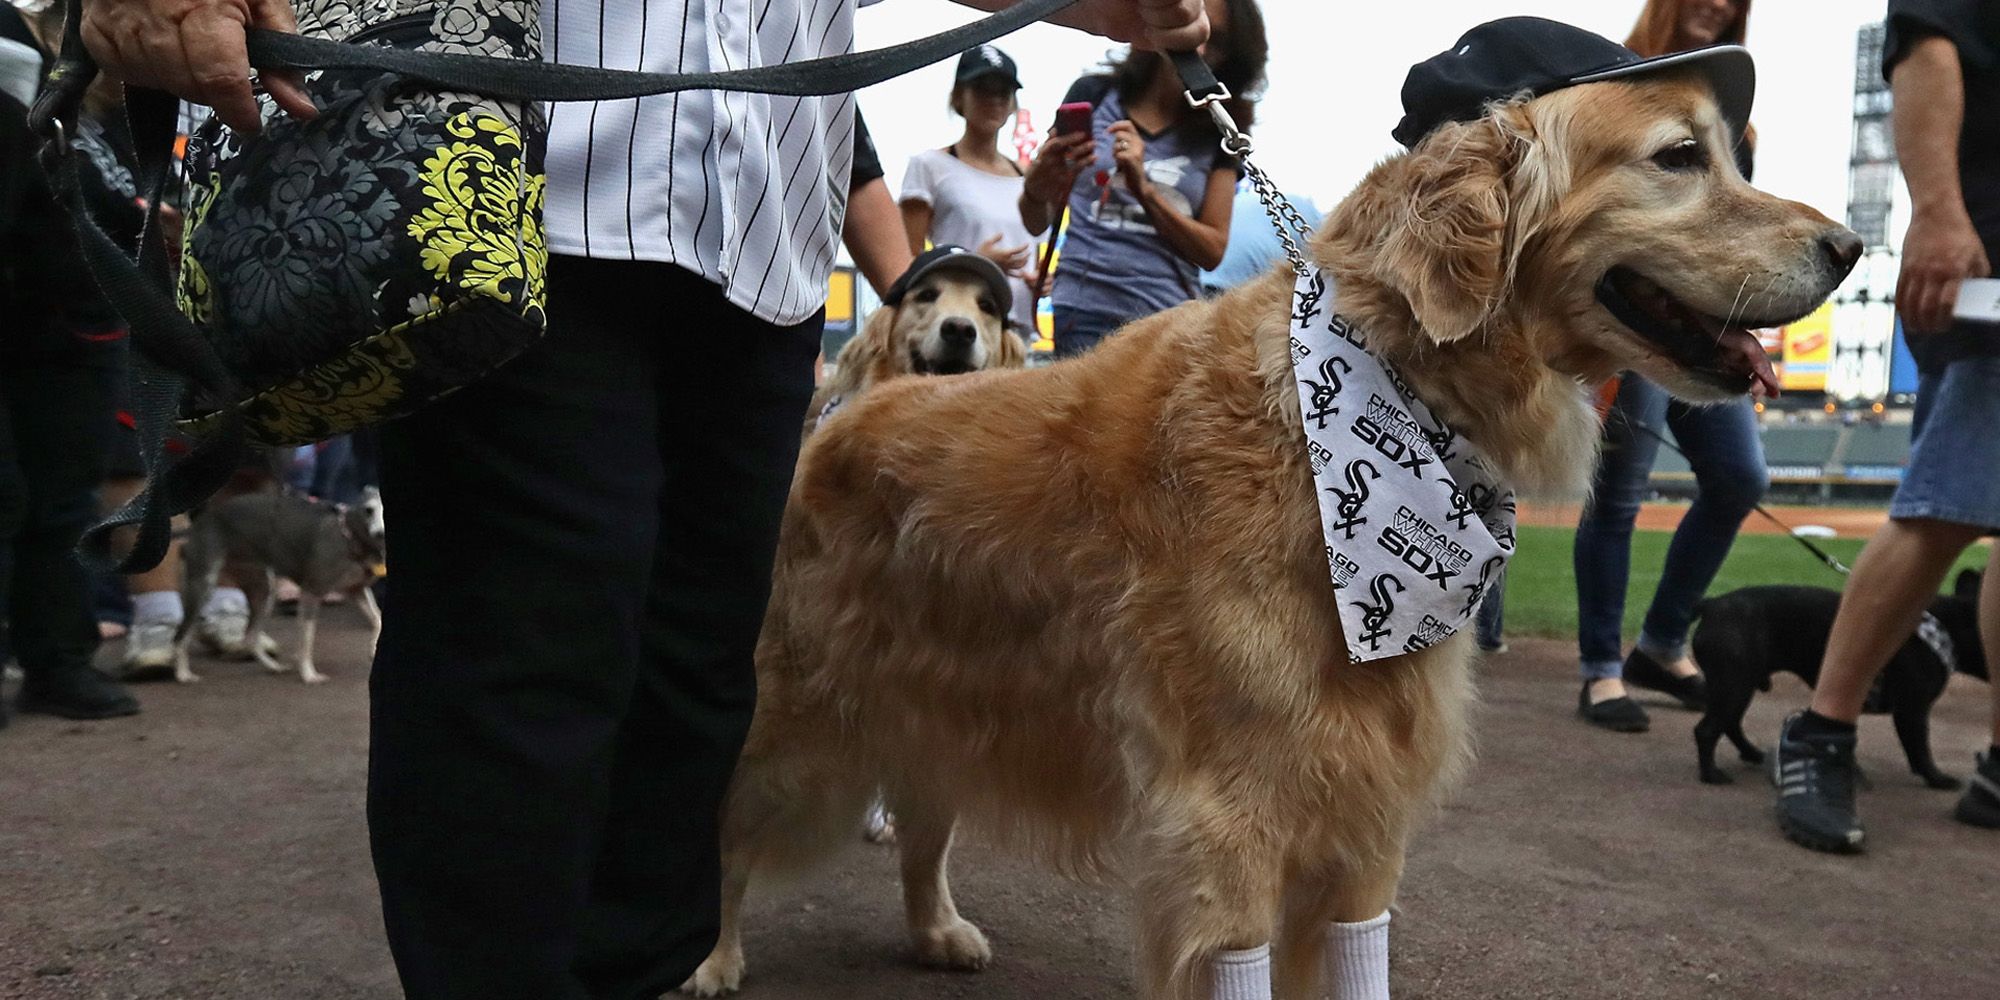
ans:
x=1013 y=351
x=1447 y=247
x=1967 y=585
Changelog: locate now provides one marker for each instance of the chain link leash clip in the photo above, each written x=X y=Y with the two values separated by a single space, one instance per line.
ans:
x=1291 y=227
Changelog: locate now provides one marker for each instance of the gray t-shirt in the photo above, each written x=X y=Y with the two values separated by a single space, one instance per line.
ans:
x=1112 y=259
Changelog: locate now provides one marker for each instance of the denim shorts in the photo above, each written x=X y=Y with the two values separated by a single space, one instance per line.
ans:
x=1954 y=472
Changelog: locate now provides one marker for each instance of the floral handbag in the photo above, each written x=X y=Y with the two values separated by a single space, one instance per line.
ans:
x=353 y=267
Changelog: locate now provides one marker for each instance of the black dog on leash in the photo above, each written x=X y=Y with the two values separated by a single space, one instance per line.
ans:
x=1747 y=635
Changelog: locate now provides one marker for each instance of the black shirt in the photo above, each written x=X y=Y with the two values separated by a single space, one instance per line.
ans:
x=867 y=162
x=1973 y=27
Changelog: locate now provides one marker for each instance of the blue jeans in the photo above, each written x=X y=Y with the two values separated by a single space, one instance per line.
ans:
x=1079 y=330
x=1728 y=461
x=1954 y=472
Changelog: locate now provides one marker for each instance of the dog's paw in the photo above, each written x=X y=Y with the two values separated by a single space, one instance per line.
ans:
x=956 y=945
x=186 y=677
x=311 y=676
x=1942 y=782
x=1716 y=776
x=1751 y=756
x=719 y=975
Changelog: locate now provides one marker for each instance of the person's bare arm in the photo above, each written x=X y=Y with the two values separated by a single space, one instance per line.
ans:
x=874 y=236
x=194 y=49
x=1167 y=25
x=917 y=222
x=1204 y=238
x=1941 y=248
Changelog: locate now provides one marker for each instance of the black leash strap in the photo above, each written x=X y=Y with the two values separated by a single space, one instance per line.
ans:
x=1824 y=556
x=537 y=81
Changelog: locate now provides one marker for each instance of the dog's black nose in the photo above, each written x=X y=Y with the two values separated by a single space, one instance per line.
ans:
x=1843 y=248
x=957 y=332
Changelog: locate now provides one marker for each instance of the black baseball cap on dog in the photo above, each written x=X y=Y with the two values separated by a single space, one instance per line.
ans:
x=1502 y=58
x=953 y=258
x=986 y=60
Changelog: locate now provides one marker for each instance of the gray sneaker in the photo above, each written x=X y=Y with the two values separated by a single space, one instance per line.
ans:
x=149 y=648
x=1815 y=777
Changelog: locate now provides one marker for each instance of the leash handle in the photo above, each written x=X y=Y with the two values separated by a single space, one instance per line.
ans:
x=1203 y=90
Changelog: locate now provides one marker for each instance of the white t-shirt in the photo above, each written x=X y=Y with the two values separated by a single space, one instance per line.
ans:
x=747 y=190
x=968 y=207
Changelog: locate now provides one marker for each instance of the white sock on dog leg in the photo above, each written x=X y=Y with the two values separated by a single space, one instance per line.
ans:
x=1357 y=960
x=1243 y=975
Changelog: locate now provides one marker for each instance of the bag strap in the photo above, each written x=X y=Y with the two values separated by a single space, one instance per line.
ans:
x=529 y=80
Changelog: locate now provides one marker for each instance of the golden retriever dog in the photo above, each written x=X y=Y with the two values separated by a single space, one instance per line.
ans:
x=1096 y=618
x=947 y=320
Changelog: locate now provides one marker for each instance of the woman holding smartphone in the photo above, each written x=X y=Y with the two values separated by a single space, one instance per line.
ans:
x=1147 y=187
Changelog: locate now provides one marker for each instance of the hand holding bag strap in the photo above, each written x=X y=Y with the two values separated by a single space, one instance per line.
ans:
x=537 y=81
x=169 y=356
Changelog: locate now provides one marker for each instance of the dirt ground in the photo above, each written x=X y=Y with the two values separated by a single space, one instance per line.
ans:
x=213 y=847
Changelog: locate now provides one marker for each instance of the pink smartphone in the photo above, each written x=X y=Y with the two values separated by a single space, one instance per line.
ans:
x=1073 y=117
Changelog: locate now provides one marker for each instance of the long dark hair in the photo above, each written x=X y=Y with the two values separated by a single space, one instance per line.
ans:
x=1245 y=51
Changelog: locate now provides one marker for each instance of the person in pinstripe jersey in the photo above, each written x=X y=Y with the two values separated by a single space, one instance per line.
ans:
x=584 y=539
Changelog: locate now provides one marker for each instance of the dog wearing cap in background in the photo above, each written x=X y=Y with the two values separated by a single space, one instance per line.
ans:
x=1154 y=681
x=1743 y=637
x=946 y=315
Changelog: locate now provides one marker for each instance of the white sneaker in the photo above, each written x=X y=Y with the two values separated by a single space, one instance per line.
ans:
x=149 y=646
x=222 y=631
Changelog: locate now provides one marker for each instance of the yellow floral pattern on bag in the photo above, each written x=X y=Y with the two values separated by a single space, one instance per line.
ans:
x=480 y=229
x=193 y=293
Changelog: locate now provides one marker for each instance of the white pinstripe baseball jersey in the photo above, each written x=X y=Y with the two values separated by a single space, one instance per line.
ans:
x=747 y=190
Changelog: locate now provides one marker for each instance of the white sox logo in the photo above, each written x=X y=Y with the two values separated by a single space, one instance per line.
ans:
x=1373 y=616
x=1352 y=498
x=1477 y=588
x=1473 y=501
x=1429 y=633
x=1308 y=294
x=1394 y=435
x=1327 y=390
x=1300 y=351
x=1421 y=546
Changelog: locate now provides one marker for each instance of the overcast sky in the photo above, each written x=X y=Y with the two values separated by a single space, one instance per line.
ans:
x=1337 y=68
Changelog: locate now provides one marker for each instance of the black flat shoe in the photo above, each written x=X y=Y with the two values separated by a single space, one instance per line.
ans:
x=1620 y=715
x=1643 y=671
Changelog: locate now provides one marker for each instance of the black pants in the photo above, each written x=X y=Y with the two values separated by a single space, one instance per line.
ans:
x=55 y=422
x=580 y=554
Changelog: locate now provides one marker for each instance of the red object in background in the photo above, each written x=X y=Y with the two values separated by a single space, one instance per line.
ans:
x=1026 y=142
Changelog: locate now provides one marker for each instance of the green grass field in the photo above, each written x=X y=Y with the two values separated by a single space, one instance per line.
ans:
x=1541 y=589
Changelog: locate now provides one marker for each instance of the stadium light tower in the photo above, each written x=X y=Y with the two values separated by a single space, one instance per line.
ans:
x=1864 y=319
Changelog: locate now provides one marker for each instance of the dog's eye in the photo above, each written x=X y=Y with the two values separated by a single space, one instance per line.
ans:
x=988 y=306
x=1686 y=154
x=927 y=295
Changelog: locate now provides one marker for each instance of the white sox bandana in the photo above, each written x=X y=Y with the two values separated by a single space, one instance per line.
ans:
x=1417 y=525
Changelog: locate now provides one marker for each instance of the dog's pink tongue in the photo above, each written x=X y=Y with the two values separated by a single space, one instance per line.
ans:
x=1743 y=353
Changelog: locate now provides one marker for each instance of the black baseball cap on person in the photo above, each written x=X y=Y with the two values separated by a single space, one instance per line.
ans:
x=953 y=258
x=1502 y=58
x=986 y=60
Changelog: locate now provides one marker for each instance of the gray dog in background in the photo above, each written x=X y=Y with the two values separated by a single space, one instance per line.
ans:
x=324 y=548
